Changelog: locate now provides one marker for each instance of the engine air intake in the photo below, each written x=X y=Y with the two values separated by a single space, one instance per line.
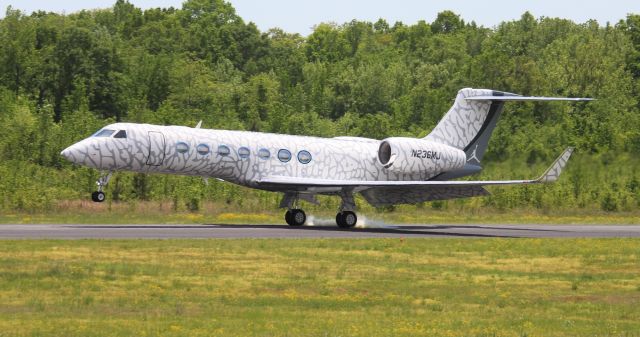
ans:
x=384 y=153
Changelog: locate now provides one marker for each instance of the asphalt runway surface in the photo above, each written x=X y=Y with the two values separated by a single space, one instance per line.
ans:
x=79 y=231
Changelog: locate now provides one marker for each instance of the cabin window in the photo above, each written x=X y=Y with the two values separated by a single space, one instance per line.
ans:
x=223 y=150
x=264 y=154
x=104 y=133
x=243 y=152
x=121 y=134
x=182 y=147
x=304 y=157
x=284 y=155
x=203 y=149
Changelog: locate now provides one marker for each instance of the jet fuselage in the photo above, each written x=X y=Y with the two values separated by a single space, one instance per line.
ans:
x=245 y=158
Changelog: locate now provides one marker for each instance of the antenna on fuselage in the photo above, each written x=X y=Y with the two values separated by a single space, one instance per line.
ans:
x=199 y=124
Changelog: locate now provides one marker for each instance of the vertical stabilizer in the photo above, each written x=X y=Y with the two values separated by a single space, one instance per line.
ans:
x=469 y=123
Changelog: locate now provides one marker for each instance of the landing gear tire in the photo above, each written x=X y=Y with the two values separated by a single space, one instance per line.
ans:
x=295 y=217
x=97 y=196
x=346 y=219
x=287 y=217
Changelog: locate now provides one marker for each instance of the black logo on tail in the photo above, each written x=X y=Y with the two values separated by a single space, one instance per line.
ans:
x=474 y=155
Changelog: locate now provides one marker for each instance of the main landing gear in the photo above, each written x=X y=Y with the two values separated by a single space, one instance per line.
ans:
x=346 y=219
x=294 y=216
x=99 y=196
x=297 y=217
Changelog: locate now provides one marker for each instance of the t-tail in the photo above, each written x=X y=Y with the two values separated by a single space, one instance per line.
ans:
x=469 y=123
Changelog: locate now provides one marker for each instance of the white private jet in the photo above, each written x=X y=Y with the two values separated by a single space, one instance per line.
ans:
x=395 y=170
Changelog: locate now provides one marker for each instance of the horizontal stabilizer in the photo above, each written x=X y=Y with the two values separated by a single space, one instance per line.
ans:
x=517 y=98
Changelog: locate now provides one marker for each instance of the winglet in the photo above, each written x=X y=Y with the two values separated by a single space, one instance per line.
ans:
x=199 y=125
x=553 y=172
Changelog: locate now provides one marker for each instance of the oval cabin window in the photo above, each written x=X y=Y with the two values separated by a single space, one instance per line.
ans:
x=243 y=152
x=223 y=150
x=264 y=154
x=203 y=149
x=304 y=157
x=284 y=155
x=182 y=147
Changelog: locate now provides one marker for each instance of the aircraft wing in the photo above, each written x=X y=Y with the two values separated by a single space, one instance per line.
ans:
x=328 y=185
x=383 y=196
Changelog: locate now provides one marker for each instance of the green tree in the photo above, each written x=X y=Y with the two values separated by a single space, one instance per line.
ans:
x=447 y=22
x=327 y=44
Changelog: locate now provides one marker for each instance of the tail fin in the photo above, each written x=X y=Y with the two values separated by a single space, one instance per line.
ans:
x=469 y=123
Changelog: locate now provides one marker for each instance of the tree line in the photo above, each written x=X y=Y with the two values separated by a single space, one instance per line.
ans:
x=62 y=77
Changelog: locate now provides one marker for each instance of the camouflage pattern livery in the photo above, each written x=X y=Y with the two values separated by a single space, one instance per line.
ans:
x=390 y=171
x=463 y=122
x=420 y=157
x=553 y=173
x=155 y=149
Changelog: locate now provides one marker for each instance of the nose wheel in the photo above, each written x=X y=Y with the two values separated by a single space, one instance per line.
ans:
x=99 y=196
x=295 y=217
x=346 y=219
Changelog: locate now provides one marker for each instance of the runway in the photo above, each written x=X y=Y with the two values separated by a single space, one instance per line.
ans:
x=79 y=231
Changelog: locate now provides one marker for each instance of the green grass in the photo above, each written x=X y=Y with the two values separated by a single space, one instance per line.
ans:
x=87 y=212
x=378 y=287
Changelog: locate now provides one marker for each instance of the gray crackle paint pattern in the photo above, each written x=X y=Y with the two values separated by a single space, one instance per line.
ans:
x=154 y=149
x=463 y=121
x=554 y=171
x=433 y=157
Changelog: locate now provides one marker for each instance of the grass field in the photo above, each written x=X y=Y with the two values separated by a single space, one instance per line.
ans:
x=379 y=287
x=87 y=212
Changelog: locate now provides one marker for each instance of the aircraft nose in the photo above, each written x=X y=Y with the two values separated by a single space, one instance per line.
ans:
x=66 y=153
x=71 y=153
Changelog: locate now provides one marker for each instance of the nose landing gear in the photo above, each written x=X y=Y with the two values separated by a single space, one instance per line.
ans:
x=99 y=196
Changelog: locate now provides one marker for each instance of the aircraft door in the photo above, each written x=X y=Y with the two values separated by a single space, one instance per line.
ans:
x=156 y=148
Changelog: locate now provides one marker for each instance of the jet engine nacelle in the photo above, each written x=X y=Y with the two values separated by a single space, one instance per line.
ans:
x=419 y=156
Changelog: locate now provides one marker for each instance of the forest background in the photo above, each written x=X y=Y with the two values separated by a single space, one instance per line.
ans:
x=62 y=77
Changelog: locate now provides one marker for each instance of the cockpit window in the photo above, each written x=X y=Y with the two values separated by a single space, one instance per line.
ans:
x=104 y=133
x=121 y=134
